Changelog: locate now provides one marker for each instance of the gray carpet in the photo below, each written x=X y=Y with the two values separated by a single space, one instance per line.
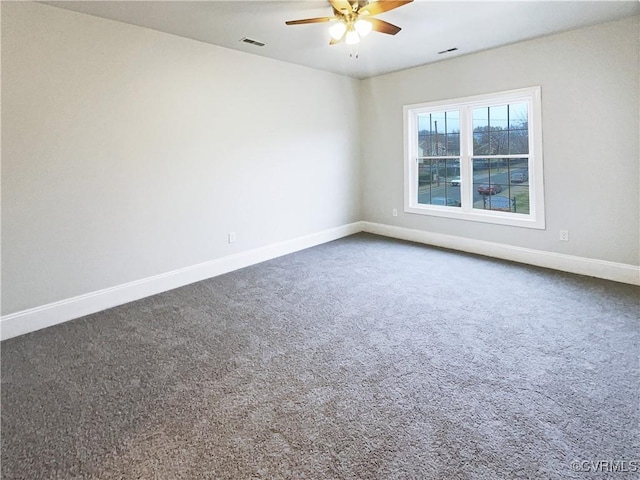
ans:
x=364 y=358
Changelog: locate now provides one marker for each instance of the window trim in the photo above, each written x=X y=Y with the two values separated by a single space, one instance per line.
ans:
x=531 y=96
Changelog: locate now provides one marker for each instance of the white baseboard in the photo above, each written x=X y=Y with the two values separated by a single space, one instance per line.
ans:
x=33 y=319
x=618 y=272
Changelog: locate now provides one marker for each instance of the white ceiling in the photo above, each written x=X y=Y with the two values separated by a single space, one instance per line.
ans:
x=427 y=27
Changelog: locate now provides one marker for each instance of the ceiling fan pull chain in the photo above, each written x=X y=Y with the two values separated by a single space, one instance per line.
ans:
x=353 y=51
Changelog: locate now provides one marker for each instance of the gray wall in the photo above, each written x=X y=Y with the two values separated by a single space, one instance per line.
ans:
x=128 y=153
x=590 y=114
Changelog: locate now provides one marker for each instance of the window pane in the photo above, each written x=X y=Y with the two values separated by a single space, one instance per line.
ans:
x=499 y=117
x=439 y=134
x=480 y=118
x=501 y=184
x=518 y=115
x=481 y=141
x=481 y=144
x=439 y=182
x=501 y=130
x=518 y=128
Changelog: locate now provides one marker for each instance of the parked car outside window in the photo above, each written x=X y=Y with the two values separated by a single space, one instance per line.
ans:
x=489 y=189
x=519 y=177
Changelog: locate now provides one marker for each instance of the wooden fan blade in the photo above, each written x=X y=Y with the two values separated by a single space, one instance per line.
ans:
x=383 y=27
x=383 y=6
x=310 y=20
x=342 y=6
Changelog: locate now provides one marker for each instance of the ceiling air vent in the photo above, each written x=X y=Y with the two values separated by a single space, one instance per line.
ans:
x=252 y=42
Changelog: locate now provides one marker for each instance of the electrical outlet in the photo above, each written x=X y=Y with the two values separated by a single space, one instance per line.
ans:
x=564 y=235
x=232 y=237
x=395 y=212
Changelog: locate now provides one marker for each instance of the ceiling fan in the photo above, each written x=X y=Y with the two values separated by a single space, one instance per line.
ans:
x=355 y=19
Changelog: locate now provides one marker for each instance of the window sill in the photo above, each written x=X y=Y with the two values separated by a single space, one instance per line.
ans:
x=497 y=218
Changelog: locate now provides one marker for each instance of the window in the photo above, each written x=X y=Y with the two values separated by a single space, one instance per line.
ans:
x=476 y=158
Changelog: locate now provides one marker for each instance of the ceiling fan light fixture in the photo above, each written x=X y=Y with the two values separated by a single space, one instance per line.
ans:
x=363 y=27
x=337 y=30
x=352 y=37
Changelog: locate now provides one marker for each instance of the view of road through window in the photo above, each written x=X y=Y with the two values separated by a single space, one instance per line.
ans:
x=504 y=184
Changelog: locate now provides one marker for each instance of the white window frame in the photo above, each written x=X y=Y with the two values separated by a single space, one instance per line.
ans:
x=531 y=96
